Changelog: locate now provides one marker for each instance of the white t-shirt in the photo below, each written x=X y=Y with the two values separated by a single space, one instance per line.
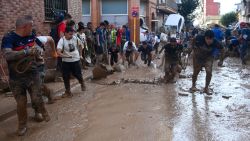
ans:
x=70 y=48
x=157 y=40
x=82 y=36
x=125 y=47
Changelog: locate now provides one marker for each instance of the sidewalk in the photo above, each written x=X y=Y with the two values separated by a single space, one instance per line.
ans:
x=8 y=104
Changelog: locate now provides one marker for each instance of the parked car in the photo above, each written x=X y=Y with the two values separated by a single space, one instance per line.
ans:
x=174 y=24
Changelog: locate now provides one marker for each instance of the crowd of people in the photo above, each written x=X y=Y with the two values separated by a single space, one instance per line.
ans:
x=78 y=47
x=74 y=46
x=206 y=45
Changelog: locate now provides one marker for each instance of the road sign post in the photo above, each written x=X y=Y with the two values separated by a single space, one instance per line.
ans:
x=134 y=12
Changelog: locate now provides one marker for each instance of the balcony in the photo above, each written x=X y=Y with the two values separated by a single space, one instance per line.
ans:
x=169 y=7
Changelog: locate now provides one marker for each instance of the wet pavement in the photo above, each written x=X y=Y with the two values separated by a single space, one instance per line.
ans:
x=148 y=112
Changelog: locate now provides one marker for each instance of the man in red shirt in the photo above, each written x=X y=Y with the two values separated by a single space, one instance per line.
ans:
x=60 y=33
x=62 y=25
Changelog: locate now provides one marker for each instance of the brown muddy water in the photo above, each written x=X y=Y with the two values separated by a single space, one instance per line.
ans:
x=147 y=112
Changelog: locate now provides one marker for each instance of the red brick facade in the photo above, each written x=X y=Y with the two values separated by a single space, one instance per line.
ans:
x=75 y=9
x=12 y=9
x=150 y=12
x=212 y=8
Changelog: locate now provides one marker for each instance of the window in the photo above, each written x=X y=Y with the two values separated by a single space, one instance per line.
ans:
x=86 y=7
x=56 y=6
x=142 y=9
x=162 y=1
x=178 y=1
x=115 y=7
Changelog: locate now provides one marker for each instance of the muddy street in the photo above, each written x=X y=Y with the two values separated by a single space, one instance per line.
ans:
x=148 y=112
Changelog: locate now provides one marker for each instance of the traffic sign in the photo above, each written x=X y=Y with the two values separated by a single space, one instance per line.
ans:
x=135 y=11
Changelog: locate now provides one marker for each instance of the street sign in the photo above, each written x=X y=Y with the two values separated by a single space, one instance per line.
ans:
x=135 y=15
x=135 y=11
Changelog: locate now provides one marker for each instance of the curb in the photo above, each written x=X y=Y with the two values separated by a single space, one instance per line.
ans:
x=56 y=93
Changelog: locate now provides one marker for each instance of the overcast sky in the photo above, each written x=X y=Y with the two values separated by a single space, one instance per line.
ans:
x=227 y=5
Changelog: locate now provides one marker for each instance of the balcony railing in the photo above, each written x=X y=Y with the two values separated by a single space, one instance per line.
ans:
x=169 y=4
x=172 y=5
x=248 y=8
x=52 y=6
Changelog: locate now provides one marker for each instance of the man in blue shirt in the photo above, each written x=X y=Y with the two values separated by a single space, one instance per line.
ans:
x=22 y=56
x=100 y=43
x=219 y=36
x=146 y=52
x=245 y=37
x=127 y=32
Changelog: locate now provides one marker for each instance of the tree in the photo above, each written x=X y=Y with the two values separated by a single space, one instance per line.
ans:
x=229 y=18
x=187 y=8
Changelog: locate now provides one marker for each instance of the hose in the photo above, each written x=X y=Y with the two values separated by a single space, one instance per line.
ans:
x=23 y=65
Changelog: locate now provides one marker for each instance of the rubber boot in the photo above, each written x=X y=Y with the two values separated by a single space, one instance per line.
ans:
x=83 y=86
x=44 y=113
x=38 y=117
x=47 y=93
x=22 y=115
x=21 y=131
x=67 y=93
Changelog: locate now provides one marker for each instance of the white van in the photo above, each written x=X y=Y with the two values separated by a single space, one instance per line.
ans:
x=174 y=24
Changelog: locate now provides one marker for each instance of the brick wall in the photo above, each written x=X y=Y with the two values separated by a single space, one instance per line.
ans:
x=151 y=8
x=212 y=8
x=12 y=9
x=75 y=9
